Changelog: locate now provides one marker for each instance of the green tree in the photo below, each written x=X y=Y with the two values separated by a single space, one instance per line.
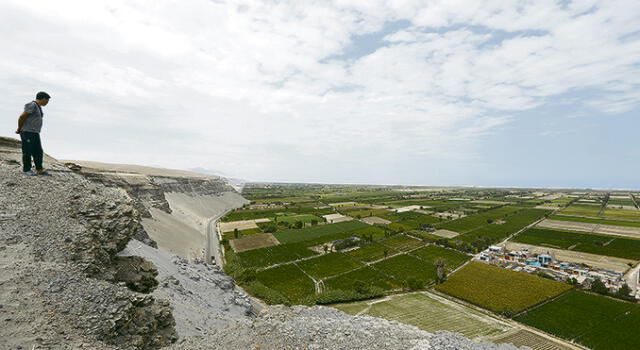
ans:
x=599 y=287
x=441 y=273
x=236 y=233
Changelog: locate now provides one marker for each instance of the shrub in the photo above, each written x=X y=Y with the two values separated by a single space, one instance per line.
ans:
x=345 y=296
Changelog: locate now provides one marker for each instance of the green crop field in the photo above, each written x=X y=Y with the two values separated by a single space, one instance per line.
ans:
x=242 y=233
x=475 y=221
x=304 y=218
x=595 y=321
x=371 y=252
x=328 y=265
x=412 y=224
x=452 y=258
x=405 y=268
x=582 y=210
x=288 y=280
x=622 y=214
x=431 y=313
x=596 y=221
x=402 y=242
x=373 y=232
x=310 y=233
x=365 y=274
x=627 y=248
x=274 y=255
x=512 y=224
x=500 y=290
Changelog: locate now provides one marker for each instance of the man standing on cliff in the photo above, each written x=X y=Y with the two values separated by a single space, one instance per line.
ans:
x=29 y=126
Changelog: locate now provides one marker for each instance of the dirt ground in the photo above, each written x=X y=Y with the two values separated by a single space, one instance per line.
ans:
x=445 y=233
x=605 y=262
x=624 y=231
x=240 y=225
x=372 y=220
x=256 y=241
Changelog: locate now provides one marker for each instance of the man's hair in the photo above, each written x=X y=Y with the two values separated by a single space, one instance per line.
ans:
x=42 y=95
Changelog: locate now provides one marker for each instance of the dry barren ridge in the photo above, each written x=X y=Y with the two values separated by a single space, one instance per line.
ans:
x=72 y=276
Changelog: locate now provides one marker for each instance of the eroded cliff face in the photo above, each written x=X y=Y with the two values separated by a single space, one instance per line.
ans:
x=175 y=206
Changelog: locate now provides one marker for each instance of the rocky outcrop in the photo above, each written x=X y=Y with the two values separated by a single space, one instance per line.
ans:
x=60 y=236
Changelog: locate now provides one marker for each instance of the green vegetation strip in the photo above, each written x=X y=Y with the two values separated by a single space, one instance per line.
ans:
x=500 y=290
x=310 y=233
x=626 y=248
x=595 y=321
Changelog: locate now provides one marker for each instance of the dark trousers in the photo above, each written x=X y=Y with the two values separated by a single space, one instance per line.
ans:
x=31 y=147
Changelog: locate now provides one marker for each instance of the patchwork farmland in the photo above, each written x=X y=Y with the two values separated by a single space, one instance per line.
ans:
x=443 y=259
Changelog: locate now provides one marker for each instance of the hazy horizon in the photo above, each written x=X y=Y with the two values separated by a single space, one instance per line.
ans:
x=529 y=94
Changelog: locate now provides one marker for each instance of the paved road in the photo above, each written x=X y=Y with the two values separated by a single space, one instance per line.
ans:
x=212 y=249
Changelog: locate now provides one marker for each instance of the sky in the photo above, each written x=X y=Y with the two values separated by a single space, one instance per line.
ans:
x=478 y=93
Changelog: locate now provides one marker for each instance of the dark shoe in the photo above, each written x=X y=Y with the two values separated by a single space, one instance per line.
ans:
x=42 y=173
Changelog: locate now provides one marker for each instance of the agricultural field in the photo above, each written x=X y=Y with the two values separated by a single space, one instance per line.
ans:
x=596 y=221
x=241 y=233
x=472 y=222
x=523 y=337
x=310 y=233
x=256 y=241
x=498 y=231
x=431 y=313
x=370 y=232
x=625 y=231
x=366 y=275
x=595 y=321
x=402 y=242
x=591 y=210
x=406 y=268
x=289 y=280
x=363 y=212
x=268 y=256
x=500 y=290
x=615 y=246
x=371 y=252
x=304 y=218
x=328 y=265
x=622 y=214
x=451 y=258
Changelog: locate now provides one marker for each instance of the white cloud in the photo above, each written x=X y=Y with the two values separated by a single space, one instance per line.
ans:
x=254 y=88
